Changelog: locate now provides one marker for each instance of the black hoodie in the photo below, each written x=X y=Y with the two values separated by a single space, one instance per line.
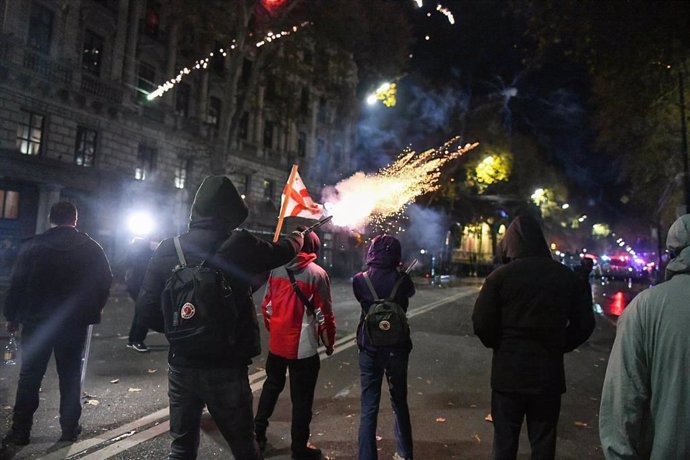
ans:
x=61 y=275
x=217 y=209
x=531 y=311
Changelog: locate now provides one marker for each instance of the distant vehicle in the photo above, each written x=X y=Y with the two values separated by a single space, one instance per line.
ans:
x=623 y=267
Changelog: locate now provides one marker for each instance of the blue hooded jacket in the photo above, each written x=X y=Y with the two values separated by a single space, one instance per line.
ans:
x=383 y=260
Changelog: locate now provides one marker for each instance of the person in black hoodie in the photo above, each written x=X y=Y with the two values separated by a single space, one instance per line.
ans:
x=530 y=312
x=219 y=378
x=60 y=284
x=383 y=260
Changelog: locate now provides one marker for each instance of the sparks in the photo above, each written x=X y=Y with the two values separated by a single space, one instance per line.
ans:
x=443 y=10
x=362 y=199
x=203 y=63
x=420 y=3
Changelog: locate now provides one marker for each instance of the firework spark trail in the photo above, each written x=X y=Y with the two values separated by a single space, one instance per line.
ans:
x=361 y=198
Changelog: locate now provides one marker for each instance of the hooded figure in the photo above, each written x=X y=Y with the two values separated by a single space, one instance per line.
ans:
x=295 y=329
x=383 y=261
x=645 y=402
x=219 y=377
x=530 y=311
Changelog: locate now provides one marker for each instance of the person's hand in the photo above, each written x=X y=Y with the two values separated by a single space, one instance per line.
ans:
x=12 y=327
x=329 y=351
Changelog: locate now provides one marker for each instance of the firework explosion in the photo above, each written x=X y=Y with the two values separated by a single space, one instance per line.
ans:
x=362 y=199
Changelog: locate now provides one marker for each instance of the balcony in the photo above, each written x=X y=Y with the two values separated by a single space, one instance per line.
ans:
x=15 y=54
x=110 y=91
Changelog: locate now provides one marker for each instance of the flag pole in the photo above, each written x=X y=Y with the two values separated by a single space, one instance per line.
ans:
x=283 y=206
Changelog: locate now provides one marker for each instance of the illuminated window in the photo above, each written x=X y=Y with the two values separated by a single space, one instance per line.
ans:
x=269 y=188
x=85 y=151
x=145 y=161
x=92 y=53
x=9 y=204
x=181 y=172
x=30 y=133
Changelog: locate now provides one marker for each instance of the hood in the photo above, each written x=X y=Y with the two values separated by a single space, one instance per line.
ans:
x=218 y=199
x=300 y=261
x=384 y=252
x=524 y=238
x=62 y=238
x=678 y=242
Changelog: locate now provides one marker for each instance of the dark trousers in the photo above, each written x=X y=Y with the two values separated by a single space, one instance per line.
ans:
x=137 y=331
x=372 y=368
x=228 y=397
x=541 y=410
x=39 y=341
x=303 y=375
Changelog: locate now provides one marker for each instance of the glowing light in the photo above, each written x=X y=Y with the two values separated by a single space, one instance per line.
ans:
x=420 y=3
x=443 y=10
x=361 y=198
x=601 y=230
x=427 y=38
x=371 y=99
x=539 y=196
x=565 y=206
x=618 y=304
x=203 y=63
x=140 y=223
x=385 y=93
x=492 y=169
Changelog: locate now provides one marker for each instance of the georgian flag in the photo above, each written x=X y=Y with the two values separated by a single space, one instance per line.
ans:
x=299 y=203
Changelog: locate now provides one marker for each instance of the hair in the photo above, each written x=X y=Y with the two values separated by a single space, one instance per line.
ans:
x=63 y=213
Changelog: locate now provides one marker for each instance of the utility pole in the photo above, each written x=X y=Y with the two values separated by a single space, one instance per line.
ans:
x=684 y=140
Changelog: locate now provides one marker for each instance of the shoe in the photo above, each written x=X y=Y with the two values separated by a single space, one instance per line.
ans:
x=16 y=438
x=308 y=453
x=138 y=346
x=397 y=456
x=70 y=436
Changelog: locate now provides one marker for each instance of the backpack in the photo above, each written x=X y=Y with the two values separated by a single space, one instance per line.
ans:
x=198 y=308
x=385 y=324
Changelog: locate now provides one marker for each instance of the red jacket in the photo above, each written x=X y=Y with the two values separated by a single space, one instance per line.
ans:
x=294 y=331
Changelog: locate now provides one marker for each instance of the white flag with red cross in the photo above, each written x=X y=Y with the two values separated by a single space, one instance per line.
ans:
x=299 y=203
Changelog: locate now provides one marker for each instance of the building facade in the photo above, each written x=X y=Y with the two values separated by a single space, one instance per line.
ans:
x=76 y=124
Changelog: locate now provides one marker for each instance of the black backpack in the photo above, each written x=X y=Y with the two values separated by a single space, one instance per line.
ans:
x=198 y=308
x=385 y=324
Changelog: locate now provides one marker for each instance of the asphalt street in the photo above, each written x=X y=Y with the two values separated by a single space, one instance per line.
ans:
x=125 y=403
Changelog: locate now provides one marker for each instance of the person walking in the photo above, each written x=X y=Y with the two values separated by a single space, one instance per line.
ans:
x=530 y=311
x=59 y=285
x=645 y=406
x=217 y=378
x=297 y=312
x=387 y=280
x=138 y=256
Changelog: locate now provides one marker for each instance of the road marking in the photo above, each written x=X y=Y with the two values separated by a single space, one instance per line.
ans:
x=128 y=436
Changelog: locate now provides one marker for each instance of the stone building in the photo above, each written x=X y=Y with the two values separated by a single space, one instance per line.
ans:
x=76 y=124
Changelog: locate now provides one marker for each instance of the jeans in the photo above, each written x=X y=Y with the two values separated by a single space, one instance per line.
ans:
x=542 y=411
x=39 y=341
x=228 y=397
x=372 y=368
x=303 y=375
x=138 y=331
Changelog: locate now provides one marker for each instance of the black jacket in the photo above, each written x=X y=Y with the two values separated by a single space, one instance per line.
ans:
x=61 y=275
x=217 y=209
x=531 y=311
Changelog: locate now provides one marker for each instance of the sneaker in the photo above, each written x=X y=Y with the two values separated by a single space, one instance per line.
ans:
x=138 y=346
x=16 y=438
x=308 y=453
x=70 y=436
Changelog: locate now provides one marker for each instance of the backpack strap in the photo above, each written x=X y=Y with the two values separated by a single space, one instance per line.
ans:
x=180 y=254
x=395 y=288
x=307 y=303
x=371 y=286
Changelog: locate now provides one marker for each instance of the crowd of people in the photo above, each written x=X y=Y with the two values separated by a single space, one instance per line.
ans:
x=531 y=310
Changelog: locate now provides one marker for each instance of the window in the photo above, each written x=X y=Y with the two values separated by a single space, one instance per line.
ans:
x=213 y=117
x=243 y=128
x=145 y=161
x=269 y=187
x=9 y=204
x=146 y=79
x=242 y=183
x=85 y=151
x=182 y=171
x=182 y=99
x=40 y=28
x=302 y=144
x=92 y=53
x=271 y=91
x=268 y=134
x=152 y=19
x=304 y=101
x=322 y=110
x=30 y=133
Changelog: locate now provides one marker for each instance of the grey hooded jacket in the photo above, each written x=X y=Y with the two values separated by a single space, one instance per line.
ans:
x=645 y=404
